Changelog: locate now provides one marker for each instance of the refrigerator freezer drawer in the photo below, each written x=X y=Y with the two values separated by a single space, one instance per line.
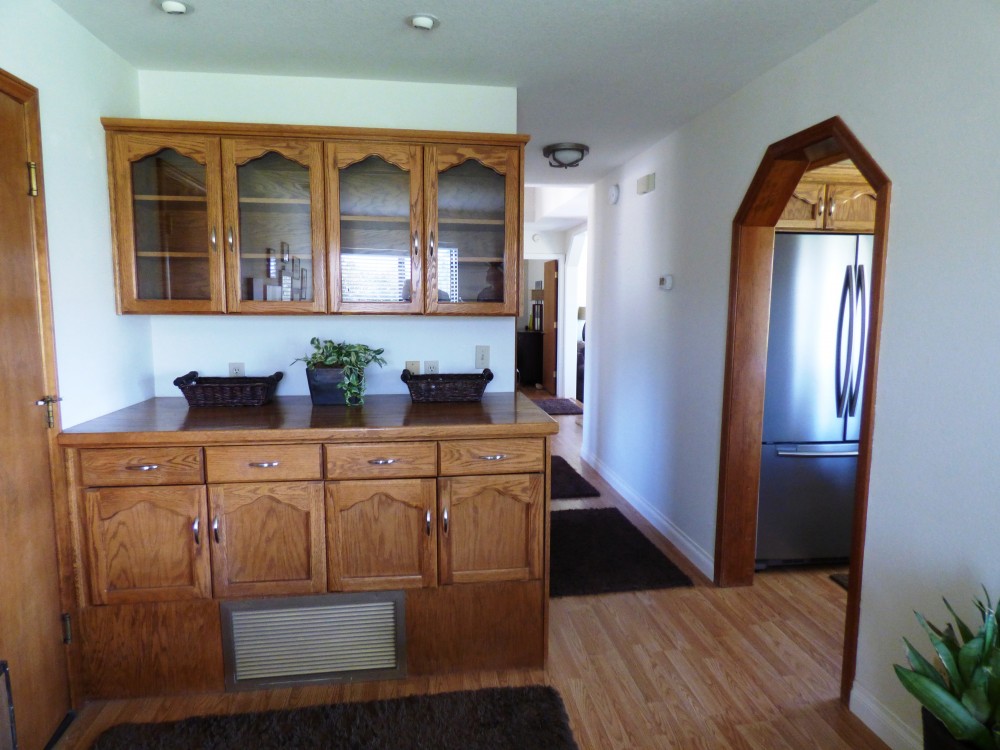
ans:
x=806 y=503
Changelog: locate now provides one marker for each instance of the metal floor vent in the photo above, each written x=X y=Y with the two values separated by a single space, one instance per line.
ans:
x=298 y=640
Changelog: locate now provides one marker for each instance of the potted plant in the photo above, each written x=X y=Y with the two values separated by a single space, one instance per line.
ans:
x=336 y=371
x=960 y=690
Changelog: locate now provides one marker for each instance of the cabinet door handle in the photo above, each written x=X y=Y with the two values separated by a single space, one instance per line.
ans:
x=214 y=241
x=382 y=461
x=196 y=528
x=430 y=245
x=215 y=529
x=497 y=457
x=143 y=467
x=428 y=523
x=416 y=243
x=444 y=520
x=263 y=464
x=231 y=240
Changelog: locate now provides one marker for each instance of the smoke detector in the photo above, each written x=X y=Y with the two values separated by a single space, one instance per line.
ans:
x=173 y=7
x=423 y=21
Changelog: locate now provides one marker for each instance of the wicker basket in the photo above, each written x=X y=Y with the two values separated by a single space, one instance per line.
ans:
x=426 y=388
x=227 y=391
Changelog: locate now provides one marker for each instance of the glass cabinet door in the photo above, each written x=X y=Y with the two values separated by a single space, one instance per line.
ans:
x=474 y=210
x=375 y=193
x=166 y=202
x=273 y=194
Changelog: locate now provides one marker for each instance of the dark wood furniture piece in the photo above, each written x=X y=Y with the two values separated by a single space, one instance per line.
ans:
x=172 y=510
x=529 y=358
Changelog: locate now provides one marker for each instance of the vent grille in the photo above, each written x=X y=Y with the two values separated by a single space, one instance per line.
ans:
x=311 y=639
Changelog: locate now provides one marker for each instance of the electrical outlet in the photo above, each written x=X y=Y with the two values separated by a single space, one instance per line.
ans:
x=237 y=370
x=431 y=366
x=482 y=356
x=413 y=365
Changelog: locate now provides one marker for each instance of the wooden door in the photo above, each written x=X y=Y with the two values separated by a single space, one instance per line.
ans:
x=166 y=207
x=550 y=326
x=30 y=636
x=381 y=534
x=490 y=528
x=267 y=539
x=274 y=225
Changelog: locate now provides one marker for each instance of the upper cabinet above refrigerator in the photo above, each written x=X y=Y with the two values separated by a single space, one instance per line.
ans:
x=835 y=198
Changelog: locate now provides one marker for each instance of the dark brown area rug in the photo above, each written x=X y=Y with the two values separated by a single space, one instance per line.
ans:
x=528 y=718
x=567 y=482
x=559 y=406
x=597 y=551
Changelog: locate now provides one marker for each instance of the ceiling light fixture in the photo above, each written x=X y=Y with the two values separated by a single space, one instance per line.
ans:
x=173 y=7
x=423 y=21
x=565 y=155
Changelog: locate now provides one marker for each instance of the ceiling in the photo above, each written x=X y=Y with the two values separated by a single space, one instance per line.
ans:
x=618 y=75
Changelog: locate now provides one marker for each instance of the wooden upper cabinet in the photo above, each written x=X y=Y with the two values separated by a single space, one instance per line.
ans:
x=473 y=220
x=267 y=539
x=147 y=544
x=381 y=534
x=375 y=226
x=166 y=205
x=274 y=226
x=835 y=198
x=491 y=528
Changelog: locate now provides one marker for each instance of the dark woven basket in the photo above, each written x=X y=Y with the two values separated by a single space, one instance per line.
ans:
x=427 y=388
x=227 y=391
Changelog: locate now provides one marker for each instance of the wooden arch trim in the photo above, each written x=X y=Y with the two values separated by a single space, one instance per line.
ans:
x=779 y=172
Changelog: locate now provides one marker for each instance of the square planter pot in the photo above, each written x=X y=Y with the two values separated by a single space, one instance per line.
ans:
x=324 y=385
x=936 y=737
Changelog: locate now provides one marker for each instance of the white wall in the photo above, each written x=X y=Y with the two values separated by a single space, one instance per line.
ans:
x=916 y=82
x=269 y=343
x=103 y=360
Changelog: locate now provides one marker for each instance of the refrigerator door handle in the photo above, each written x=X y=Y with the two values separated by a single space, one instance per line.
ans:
x=843 y=364
x=818 y=454
x=862 y=307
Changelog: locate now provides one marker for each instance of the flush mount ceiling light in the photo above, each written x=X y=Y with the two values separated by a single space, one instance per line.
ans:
x=173 y=7
x=423 y=21
x=565 y=155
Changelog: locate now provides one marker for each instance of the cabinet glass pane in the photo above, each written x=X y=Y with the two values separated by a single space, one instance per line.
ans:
x=375 y=264
x=276 y=252
x=471 y=213
x=170 y=212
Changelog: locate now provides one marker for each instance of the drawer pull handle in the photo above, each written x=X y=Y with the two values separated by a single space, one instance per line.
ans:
x=428 y=523
x=143 y=467
x=444 y=520
x=382 y=461
x=215 y=529
x=196 y=528
x=263 y=464
x=497 y=457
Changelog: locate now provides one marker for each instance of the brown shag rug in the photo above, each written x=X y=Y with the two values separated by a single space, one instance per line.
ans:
x=559 y=406
x=526 y=718
x=567 y=482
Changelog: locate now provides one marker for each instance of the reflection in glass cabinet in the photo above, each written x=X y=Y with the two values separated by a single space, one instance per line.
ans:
x=276 y=254
x=471 y=238
x=170 y=210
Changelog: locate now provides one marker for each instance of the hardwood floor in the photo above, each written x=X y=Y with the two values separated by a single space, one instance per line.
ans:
x=700 y=668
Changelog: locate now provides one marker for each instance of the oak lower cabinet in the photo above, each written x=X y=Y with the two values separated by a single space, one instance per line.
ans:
x=445 y=503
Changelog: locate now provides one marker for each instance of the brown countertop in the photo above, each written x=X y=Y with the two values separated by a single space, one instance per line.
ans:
x=169 y=421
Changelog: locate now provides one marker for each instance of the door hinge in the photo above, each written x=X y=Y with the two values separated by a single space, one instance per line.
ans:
x=67 y=628
x=49 y=403
x=32 y=179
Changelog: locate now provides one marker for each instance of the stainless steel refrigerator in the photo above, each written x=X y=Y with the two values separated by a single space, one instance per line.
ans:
x=813 y=397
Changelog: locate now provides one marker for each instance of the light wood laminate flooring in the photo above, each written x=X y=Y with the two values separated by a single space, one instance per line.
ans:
x=700 y=668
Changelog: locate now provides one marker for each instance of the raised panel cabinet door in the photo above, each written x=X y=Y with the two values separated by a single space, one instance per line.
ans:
x=473 y=219
x=166 y=206
x=851 y=207
x=267 y=539
x=274 y=226
x=147 y=544
x=381 y=534
x=806 y=208
x=491 y=528
x=375 y=225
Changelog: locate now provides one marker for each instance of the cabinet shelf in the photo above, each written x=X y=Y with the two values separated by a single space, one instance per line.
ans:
x=278 y=201
x=471 y=222
x=405 y=220
x=171 y=254
x=172 y=198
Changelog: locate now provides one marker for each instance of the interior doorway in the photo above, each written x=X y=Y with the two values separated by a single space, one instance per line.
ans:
x=780 y=170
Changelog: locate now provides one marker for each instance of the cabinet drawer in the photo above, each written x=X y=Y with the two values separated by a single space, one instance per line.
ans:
x=263 y=463
x=381 y=460
x=501 y=456
x=126 y=467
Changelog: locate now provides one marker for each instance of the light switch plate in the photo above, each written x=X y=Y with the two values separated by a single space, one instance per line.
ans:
x=413 y=365
x=482 y=356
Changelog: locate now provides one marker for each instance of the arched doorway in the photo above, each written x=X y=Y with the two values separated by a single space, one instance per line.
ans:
x=779 y=172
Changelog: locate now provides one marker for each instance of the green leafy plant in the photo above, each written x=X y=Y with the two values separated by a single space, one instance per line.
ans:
x=962 y=686
x=352 y=358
